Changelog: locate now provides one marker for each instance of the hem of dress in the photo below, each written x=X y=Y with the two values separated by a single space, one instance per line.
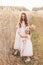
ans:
x=26 y=55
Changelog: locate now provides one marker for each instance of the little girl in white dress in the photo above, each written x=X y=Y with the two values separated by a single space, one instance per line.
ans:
x=26 y=45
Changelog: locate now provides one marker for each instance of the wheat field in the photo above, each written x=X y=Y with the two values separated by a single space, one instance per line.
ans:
x=9 y=16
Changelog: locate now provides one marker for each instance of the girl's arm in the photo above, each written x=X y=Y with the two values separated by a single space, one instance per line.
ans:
x=22 y=36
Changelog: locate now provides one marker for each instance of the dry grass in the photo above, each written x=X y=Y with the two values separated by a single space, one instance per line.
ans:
x=8 y=20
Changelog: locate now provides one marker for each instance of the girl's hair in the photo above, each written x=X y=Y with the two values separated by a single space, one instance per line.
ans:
x=29 y=32
x=25 y=20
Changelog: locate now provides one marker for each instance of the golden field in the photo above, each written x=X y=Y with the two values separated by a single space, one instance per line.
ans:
x=9 y=16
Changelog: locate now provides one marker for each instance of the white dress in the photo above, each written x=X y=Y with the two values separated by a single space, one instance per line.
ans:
x=17 y=41
x=24 y=47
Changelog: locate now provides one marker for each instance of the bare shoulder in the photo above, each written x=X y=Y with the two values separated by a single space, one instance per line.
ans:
x=28 y=26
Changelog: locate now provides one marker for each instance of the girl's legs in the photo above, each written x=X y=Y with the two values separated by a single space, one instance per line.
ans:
x=27 y=59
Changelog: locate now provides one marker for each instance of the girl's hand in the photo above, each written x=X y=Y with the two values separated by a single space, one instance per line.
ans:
x=33 y=26
x=22 y=36
x=17 y=26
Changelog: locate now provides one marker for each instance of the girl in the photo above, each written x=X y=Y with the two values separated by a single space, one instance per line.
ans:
x=26 y=45
x=25 y=50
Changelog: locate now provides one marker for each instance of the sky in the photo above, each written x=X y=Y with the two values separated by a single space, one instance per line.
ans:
x=25 y=3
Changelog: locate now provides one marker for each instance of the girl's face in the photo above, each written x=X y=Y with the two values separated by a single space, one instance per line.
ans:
x=27 y=30
x=23 y=16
